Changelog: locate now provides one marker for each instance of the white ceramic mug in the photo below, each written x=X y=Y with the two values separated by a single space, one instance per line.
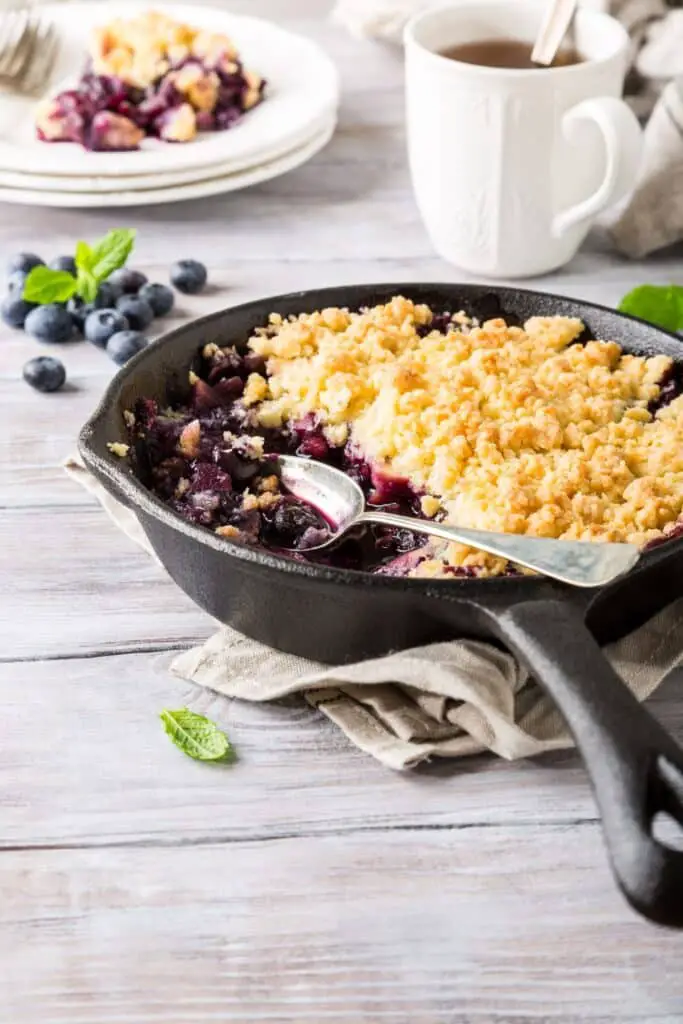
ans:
x=511 y=167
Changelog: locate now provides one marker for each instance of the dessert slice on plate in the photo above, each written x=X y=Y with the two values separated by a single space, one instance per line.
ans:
x=130 y=80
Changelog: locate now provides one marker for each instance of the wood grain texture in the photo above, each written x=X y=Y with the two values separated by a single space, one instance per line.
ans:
x=306 y=882
x=401 y=926
x=90 y=590
x=296 y=775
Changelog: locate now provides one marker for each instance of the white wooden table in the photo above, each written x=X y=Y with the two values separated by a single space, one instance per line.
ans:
x=306 y=883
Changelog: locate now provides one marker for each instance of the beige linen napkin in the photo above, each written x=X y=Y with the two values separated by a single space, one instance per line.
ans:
x=653 y=216
x=441 y=700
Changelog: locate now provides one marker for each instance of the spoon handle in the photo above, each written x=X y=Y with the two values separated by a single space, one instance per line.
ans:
x=553 y=30
x=581 y=563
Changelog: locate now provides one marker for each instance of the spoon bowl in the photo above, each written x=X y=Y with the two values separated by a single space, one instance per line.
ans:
x=342 y=504
x=337 y=497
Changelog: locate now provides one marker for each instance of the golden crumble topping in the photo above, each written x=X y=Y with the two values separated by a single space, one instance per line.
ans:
x=513 y=429
x=140 y=50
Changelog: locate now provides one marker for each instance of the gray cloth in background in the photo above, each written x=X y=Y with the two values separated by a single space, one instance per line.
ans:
x=653 y=216
x=441 y=700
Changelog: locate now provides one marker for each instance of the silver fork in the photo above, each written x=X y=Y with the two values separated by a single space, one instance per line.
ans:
x=28 y=51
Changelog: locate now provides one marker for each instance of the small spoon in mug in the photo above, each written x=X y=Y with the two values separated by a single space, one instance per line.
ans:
x=341 y=501
x=554 y=28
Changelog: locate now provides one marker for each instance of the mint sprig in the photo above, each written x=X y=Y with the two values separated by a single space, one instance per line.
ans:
x=49 y=285
x=196 y=736
x=94 y=264
x=659 y=304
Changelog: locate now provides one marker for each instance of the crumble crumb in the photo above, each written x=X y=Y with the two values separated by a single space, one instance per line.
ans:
x=429 y=505
x=118 y=448
x=249 y=501
x=268 y=483
x=228 y=531
x=268 y=500
x=189 y=439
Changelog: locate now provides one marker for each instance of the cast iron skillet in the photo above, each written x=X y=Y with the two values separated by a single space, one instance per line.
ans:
x=336 y=615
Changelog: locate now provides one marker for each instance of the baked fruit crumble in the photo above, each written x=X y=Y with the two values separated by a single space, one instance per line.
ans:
x=520 y=428
x=151 y=76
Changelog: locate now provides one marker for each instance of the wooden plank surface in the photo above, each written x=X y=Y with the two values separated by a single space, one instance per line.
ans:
x=305 y=882
x=91 y=590
x=103 y=772
x=404 y=926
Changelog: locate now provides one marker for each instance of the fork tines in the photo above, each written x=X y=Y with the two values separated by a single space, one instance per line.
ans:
x=28 y=50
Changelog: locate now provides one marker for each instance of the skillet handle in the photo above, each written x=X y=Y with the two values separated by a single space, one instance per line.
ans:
x=635 y=767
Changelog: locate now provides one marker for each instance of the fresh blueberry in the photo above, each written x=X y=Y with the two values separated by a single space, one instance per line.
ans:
x=107 y=295
x=14 y=310
x=44 y=373
x=188 y=276
x=137 y=312
x=101 y=324
x=159 y=296
x=65 y=263
x=51 y=323
x=80 y=310
x=124 y=345
x=16 y=282
x=127 y=281
x=24 y=261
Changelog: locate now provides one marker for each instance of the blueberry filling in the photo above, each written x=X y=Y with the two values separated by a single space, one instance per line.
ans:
x=207 y=459
x=671 y=387
x=103 y=113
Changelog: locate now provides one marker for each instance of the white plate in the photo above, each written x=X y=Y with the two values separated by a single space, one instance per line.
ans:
x=154 y=196
x=302 y=87
x=132 y=182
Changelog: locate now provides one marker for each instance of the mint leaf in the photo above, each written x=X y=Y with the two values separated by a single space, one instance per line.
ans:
x=196 y=735
x=86 y=285
x=45 y=285
x=659 y=304
x=111 y=252
x=84 y=256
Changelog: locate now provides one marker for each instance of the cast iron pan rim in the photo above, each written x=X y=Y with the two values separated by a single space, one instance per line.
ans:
x=142 y=499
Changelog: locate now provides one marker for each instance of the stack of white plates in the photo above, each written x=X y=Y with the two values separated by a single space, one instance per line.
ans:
x=295 y=121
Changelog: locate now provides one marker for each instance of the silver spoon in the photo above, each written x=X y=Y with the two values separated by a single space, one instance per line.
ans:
x=342 y=502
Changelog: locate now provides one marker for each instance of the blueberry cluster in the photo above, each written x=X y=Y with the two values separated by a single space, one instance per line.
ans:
x=124 y=307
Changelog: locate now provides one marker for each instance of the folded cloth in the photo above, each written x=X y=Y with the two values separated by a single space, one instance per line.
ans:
x=440 y=700
x=653 y=217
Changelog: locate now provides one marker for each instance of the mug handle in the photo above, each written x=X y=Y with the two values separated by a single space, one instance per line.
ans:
x=623 y=145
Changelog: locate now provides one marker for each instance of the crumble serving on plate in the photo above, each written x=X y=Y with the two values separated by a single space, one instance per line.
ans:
x=514 y=428
x=151 y=76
